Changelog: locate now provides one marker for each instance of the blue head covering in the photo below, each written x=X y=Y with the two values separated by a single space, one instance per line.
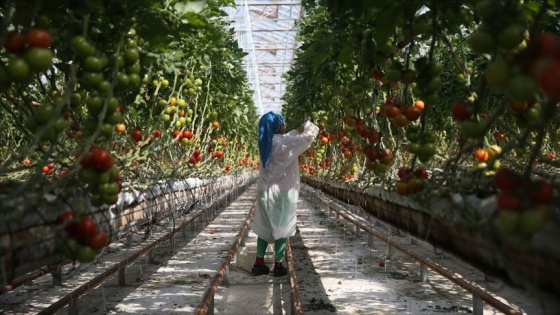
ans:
x=269 y=124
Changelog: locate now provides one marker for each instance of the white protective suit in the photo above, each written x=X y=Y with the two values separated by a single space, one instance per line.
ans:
x=278 y=185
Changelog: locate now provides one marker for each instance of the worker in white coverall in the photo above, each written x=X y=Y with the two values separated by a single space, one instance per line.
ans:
x=278 y=187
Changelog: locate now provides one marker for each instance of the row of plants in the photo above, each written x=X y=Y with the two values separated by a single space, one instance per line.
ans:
x=98 y=96
x=434 y=98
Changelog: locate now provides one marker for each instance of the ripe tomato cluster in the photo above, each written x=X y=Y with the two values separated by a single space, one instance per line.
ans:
x=102 y=177
x=185 y=136
x=399 y=115
x=83 y=238
x=411 y=180
x=523 y=205
x=48 y=169
x=487 y=159
x=378 y=160
x=195 y=158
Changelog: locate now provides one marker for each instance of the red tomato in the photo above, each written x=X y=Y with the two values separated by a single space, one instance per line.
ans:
x=412 y=113
x=378 y=74
x=136 y=135
x=400 y=120
x=65 y=216
x=506 y=179
x=499 y=136
x=419 y=104
x=73 y=229
x=38 y=38
x=549 y=79
x=196 y=152
x=392 y=111
x=15 y=43
x=402 y=188
x=402 y=173
x=459 y=111
x=99 y=240
x=102 y=160
x=518 y=107
x=187 y=134
x=507 y=200
x=421 y=172
x=87 y=161
x=157 y=133
x=86 y=228
x=549 y=45
x=541 y=191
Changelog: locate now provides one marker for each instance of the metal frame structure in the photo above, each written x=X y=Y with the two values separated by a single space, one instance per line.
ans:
x=265 y=30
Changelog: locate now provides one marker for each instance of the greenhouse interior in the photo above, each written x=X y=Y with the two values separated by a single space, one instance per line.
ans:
x=280 y=157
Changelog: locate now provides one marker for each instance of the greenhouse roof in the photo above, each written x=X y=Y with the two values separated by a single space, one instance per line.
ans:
x=265 y=30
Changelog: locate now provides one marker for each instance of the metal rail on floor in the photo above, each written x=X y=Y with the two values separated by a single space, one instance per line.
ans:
x=71 y=298
x=296 y=308
x=207 y=304
x=479 y=294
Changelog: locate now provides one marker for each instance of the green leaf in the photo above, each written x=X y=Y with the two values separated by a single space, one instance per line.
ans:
x=345 y=55
x=194 y=19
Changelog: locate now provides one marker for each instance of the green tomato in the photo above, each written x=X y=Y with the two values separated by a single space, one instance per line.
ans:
x=82 y=47
x=93 y=64
x=18 y=70
x=85 y=254
x=94 y=105
x=497 y=73
x=59 y=125
x=39 y=59
x=75 y=99
x=69 y=248
x=521 y=88
x=511 y=36
x=104 y=87
x=531 y=221
x=114 y=118
x=134 y=79
x=471 y=129
x=134 y=68
x=508 y=220
x=122 y=79
x=131 y=56
x=88 y=175
x=44 y=113
x=531 y=114
x=414 y=148
x=112 y=104
x=481 y=42
x=111 y=188
x=104 y=177
x=92 y=79
x=107 y=130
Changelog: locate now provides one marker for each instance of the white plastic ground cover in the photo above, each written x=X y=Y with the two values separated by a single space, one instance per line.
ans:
x=135 y=194
x=37 y=222
x=466 y=209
